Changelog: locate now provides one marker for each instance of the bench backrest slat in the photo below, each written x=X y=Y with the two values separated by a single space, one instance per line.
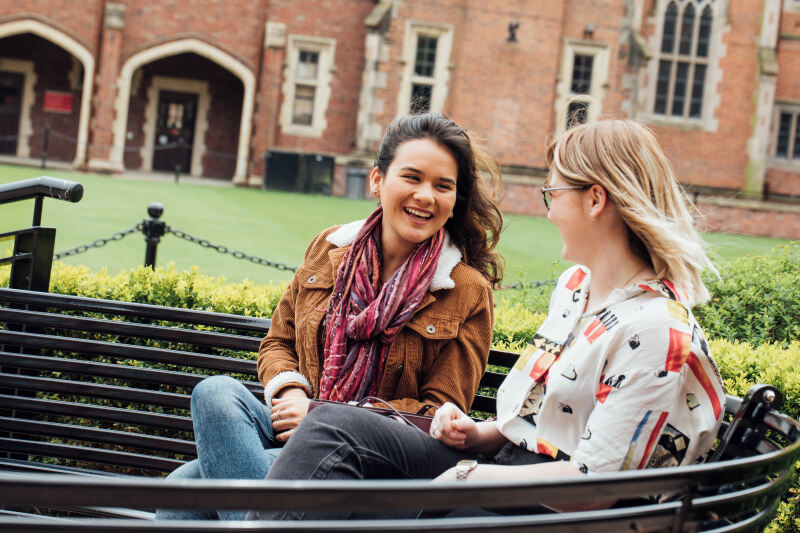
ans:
x=127 y=351
x=114 y=307
x=91 y=434
x=90 y=455
x=133 y=329
x=74 y=410
x=94 y=390
x=88 y=368
x=484 y=404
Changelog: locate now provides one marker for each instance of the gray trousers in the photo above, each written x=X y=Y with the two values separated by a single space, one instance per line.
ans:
x=345 y=442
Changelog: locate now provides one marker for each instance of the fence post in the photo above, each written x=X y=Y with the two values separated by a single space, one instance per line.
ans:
x=45 y=142
x=180 y=158
x=153 y=229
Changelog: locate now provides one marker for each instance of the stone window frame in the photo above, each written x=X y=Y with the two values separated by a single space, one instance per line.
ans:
x=597 y=90
x=326 y=48
x=441 y=72
x=791 y=6
x=27 y=68
x=773 y=160
x=717 y=49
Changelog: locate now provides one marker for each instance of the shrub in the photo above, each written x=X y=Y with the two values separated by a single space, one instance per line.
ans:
x=756 y=299
x=743 y=365
x=165 y=286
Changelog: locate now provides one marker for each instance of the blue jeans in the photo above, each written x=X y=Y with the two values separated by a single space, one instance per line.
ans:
x=234 y=438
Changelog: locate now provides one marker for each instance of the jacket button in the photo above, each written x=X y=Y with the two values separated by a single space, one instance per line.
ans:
x=431 y=329
x=312 y=279
x=399 y=370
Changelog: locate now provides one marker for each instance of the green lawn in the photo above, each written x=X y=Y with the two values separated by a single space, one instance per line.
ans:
x=273 y=225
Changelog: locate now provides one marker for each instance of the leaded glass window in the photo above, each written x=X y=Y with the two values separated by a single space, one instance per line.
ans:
x=683 y=62
x=787 y=145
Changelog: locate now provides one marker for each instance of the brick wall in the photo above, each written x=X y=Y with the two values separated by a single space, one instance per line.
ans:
x=768 y=221
x=80 y=20
x=234 y=26
x=503 y=91
x=718 y=158
x=342 y=21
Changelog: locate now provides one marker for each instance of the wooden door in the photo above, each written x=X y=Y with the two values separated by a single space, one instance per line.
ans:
x=174 y=131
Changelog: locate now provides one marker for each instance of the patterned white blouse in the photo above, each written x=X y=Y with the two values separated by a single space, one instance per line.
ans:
x=630 y=385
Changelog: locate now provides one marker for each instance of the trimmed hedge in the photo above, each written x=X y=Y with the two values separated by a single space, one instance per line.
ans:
x=755 y=299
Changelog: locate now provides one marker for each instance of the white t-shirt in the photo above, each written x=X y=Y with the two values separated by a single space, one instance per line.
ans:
x=633 y=384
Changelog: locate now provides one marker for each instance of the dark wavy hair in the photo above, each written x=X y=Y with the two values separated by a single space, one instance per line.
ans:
x=477 y=219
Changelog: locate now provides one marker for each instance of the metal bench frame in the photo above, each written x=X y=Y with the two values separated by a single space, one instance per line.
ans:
x=48 y=353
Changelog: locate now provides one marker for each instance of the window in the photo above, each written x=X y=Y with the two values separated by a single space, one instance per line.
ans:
x=423 y=79
x=578 y=112
x=584 y=72
x=787 y=140
x=426 y=53
x=306 y=86
x=306 y=81
x=683 y=58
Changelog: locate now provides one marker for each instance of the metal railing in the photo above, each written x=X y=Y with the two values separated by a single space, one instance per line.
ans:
x=32 y=256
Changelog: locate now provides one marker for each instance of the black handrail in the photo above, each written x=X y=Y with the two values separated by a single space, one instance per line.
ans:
x=39 y=188
x=32 y=258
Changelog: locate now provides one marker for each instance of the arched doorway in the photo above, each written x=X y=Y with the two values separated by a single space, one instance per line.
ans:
x=20 y=77
x=182 y=94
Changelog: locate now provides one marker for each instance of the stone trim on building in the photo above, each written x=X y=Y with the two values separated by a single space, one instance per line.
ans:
x=218 y=56
x=25 y=130
x=773 y=160
x=597 y=91
x=326 y=48
x=441 y=70
x=72 y=46
x=717 y=49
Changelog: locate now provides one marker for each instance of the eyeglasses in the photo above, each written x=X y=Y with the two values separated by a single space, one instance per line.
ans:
x=547 y=197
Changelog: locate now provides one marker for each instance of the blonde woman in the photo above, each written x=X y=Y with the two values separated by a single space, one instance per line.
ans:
x=619 y=375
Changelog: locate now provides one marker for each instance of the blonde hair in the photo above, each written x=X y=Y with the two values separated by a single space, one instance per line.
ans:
x=625 y=158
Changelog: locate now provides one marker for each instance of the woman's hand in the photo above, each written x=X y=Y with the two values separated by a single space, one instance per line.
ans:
x=288 y=410
x=454 y=428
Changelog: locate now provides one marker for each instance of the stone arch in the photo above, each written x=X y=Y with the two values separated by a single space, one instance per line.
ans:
x=182 y=46
x=59 y=38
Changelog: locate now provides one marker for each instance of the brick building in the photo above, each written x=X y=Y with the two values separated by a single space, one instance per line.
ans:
x=297 y=93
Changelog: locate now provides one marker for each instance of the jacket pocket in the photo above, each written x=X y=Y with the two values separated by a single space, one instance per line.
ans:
x=434 y=327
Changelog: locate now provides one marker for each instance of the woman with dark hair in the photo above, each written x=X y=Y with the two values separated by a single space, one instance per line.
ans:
x=397 y=306
x=619 y=375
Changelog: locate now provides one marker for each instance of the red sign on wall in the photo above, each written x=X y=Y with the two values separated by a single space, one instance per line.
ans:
x=57 y=102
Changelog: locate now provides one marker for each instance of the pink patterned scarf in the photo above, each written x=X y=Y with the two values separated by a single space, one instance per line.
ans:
x=363 y=317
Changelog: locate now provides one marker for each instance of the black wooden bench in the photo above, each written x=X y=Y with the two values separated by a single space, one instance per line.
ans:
x=94 y=399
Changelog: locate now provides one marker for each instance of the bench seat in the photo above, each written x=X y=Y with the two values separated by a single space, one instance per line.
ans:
x=94 y=408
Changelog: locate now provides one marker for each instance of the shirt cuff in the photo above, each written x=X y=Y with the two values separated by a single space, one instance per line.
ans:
x=283 y=379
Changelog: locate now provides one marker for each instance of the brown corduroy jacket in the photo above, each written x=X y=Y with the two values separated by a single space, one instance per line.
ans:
x=438 y=356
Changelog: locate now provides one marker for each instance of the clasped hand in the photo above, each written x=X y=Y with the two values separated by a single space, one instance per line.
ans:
x=287 y=413
x=454 y=428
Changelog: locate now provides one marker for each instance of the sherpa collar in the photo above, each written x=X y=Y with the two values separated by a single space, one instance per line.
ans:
x=449 y=258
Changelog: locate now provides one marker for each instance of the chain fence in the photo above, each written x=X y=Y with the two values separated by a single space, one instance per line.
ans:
x=519 y=285
x=220 y=248
x=139 y=228
x=99 y=243
x=225 y=250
